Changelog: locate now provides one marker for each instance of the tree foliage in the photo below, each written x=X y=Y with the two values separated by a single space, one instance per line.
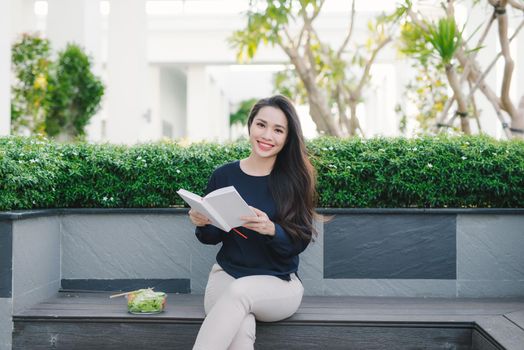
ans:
x=30 y=64
x=55 y=98
x=74 y=94
x=442 y=45
x=331 y=80
x=242 y=113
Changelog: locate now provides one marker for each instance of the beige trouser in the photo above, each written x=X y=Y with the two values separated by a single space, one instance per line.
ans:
x=232 y=305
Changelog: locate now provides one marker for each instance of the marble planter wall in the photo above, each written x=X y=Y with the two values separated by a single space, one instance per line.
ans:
x=428 y=253
x=29 y=266
x=368 y=252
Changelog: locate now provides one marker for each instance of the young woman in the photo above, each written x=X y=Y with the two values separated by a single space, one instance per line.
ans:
x=255 y=276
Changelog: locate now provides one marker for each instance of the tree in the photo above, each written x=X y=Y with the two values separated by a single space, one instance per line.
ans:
x=460 y=64
x=55 y=98
x=428 y=92
x=30 y=66
x=242 y=114
x=322 y=75
x=74 y=95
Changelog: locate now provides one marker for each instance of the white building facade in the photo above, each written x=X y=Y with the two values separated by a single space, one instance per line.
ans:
x=170 y=73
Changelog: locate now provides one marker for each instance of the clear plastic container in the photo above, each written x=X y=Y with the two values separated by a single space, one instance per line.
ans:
x=146 y=302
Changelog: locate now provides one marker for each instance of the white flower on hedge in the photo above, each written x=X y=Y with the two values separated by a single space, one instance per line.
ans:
x=332 y=166
x=324 y=149
x=20 y=161
x=430 y=165
x=467 y=143
x=138 y=158
x=104 y=199
x=464 y=158
x=414 y=148
x=111 y=199
x=330 y=148
x=178 y=171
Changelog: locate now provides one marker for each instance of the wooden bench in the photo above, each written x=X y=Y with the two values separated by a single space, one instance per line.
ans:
x=90 y=320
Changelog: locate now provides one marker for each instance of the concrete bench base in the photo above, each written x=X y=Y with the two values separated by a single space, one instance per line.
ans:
x=93 y=321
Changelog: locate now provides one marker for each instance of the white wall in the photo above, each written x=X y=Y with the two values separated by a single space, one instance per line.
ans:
x=23 y=18
x=380 y=100
x=126 y=72
x=5 y=67
x=207 y=107
x=172 y=101
x=82 y=19
x=241 y=82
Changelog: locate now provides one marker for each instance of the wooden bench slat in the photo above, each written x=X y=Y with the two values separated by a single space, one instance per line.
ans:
x=314 y=309
x=82 y=318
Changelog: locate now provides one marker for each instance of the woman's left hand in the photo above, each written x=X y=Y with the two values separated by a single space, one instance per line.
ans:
x=259 y=223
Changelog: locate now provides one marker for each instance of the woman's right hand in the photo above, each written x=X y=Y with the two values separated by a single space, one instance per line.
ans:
x=198 y=219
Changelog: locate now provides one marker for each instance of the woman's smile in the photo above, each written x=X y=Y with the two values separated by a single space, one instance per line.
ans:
x=264 y=146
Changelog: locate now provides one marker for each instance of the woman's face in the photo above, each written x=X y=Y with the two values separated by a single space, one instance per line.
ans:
x=268 y=132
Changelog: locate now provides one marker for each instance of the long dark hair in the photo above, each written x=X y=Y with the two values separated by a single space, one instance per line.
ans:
x=292 y=181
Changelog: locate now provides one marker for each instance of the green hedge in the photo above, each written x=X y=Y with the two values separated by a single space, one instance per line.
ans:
x=424 y=172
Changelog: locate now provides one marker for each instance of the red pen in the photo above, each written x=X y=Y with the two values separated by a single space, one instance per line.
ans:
x=240 y=233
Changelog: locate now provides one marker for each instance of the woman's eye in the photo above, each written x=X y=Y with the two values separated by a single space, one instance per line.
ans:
x=279 y=131
x=260 y=124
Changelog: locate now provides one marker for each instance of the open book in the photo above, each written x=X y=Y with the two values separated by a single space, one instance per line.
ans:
x=223 y=207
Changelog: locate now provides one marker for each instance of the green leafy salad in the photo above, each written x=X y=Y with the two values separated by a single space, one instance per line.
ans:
x=146 y=301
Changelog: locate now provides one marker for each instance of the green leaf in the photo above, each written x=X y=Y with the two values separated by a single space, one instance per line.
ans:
x=445 y=38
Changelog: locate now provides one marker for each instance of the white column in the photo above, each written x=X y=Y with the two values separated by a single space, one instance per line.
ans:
x=198 y=123
x=404 y=73
x=155 y=84
x=78 y=22
x=169 y=92
x=207 y=107
x=126 y=72
x=217 y=114
x=74 y=21
x=5 y=68
x=224 y=129
x=225 y=111
x=23 y=18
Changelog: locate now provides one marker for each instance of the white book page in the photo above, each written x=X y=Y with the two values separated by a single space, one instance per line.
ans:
x=221 y=191
x=196 y=203
x=230 y=205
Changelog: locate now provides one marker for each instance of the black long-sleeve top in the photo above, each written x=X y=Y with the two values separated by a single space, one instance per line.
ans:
x=258 y=254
